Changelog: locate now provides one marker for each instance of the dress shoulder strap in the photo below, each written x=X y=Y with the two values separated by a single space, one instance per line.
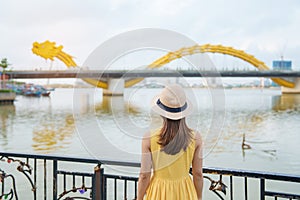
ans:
x=154 y=139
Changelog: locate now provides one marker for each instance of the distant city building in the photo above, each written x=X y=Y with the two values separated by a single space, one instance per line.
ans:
x=281 y=65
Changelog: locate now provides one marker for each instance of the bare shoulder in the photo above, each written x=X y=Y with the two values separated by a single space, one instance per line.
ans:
x=198 y=138
x=147 y=139
x=147 y=135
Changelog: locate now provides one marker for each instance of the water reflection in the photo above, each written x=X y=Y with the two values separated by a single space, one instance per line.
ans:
x=7 y=113
x=286 y=102
x=116 y=104
x=53 y=135
x=114 y=125
x=262 y=148
x=246 y=132
x=252 y=141
x=127 y=116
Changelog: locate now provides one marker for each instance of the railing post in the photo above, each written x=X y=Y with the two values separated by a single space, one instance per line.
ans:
x=2 y=190
x=54 y=179
x=99 y=183
x=262 y=189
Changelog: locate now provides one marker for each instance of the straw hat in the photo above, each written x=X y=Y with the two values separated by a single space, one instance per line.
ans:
x=172 y=103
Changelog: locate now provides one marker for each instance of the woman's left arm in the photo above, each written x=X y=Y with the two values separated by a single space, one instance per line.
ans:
x=145 y=172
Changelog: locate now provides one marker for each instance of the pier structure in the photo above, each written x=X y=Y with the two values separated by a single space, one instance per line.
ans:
x=7 y=97
x=116 y=87
x=294 y=90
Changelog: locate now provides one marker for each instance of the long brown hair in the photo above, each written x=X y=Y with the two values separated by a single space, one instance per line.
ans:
x=174 y=136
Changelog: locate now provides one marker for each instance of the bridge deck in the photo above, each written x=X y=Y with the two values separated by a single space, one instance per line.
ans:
x=98 y=74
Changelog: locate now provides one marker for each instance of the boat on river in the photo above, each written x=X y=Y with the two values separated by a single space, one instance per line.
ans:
x=30 y=90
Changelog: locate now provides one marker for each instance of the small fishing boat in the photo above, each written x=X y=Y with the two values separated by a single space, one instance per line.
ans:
x=44 y=91
x=31 y=90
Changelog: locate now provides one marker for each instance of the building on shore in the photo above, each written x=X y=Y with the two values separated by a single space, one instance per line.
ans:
x=281 y=65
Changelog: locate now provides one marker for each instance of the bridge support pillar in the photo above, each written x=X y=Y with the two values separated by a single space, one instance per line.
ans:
x=115 y=87
x=295 y=90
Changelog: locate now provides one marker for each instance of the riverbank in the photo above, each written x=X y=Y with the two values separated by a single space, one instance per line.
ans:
x=65 y=85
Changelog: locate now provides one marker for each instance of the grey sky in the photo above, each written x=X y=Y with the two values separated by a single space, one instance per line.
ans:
x=266 y=29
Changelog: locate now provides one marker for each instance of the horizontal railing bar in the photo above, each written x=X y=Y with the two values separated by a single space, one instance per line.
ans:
x=223 y=171
x=120 y=177
x=74 y=173
x=49 y=157
x=280 y=194
x=71 y=159
x=253 y=174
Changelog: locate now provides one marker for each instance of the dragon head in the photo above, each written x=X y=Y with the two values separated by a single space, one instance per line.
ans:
x=47 y=49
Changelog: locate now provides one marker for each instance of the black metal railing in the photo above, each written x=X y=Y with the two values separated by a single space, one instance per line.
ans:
x=26 y=176
x=275 y=180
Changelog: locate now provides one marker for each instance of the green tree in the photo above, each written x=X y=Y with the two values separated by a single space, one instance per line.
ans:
x=4 y=64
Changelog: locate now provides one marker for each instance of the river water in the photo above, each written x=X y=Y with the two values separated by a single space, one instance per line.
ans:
x=80 y=122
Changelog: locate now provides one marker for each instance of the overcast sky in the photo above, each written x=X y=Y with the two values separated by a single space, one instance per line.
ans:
x=264 y=28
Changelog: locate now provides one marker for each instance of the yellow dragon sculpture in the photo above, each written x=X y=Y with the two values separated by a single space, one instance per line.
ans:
x=48 y=50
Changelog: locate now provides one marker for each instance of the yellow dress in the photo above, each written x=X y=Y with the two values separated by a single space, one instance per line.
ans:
x=171 y=179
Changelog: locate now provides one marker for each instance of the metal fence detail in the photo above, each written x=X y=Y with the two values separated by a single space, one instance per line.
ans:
x=24 y=176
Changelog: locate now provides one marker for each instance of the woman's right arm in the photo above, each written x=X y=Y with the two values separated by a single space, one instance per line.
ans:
x=197 y=166
x=145 y=171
